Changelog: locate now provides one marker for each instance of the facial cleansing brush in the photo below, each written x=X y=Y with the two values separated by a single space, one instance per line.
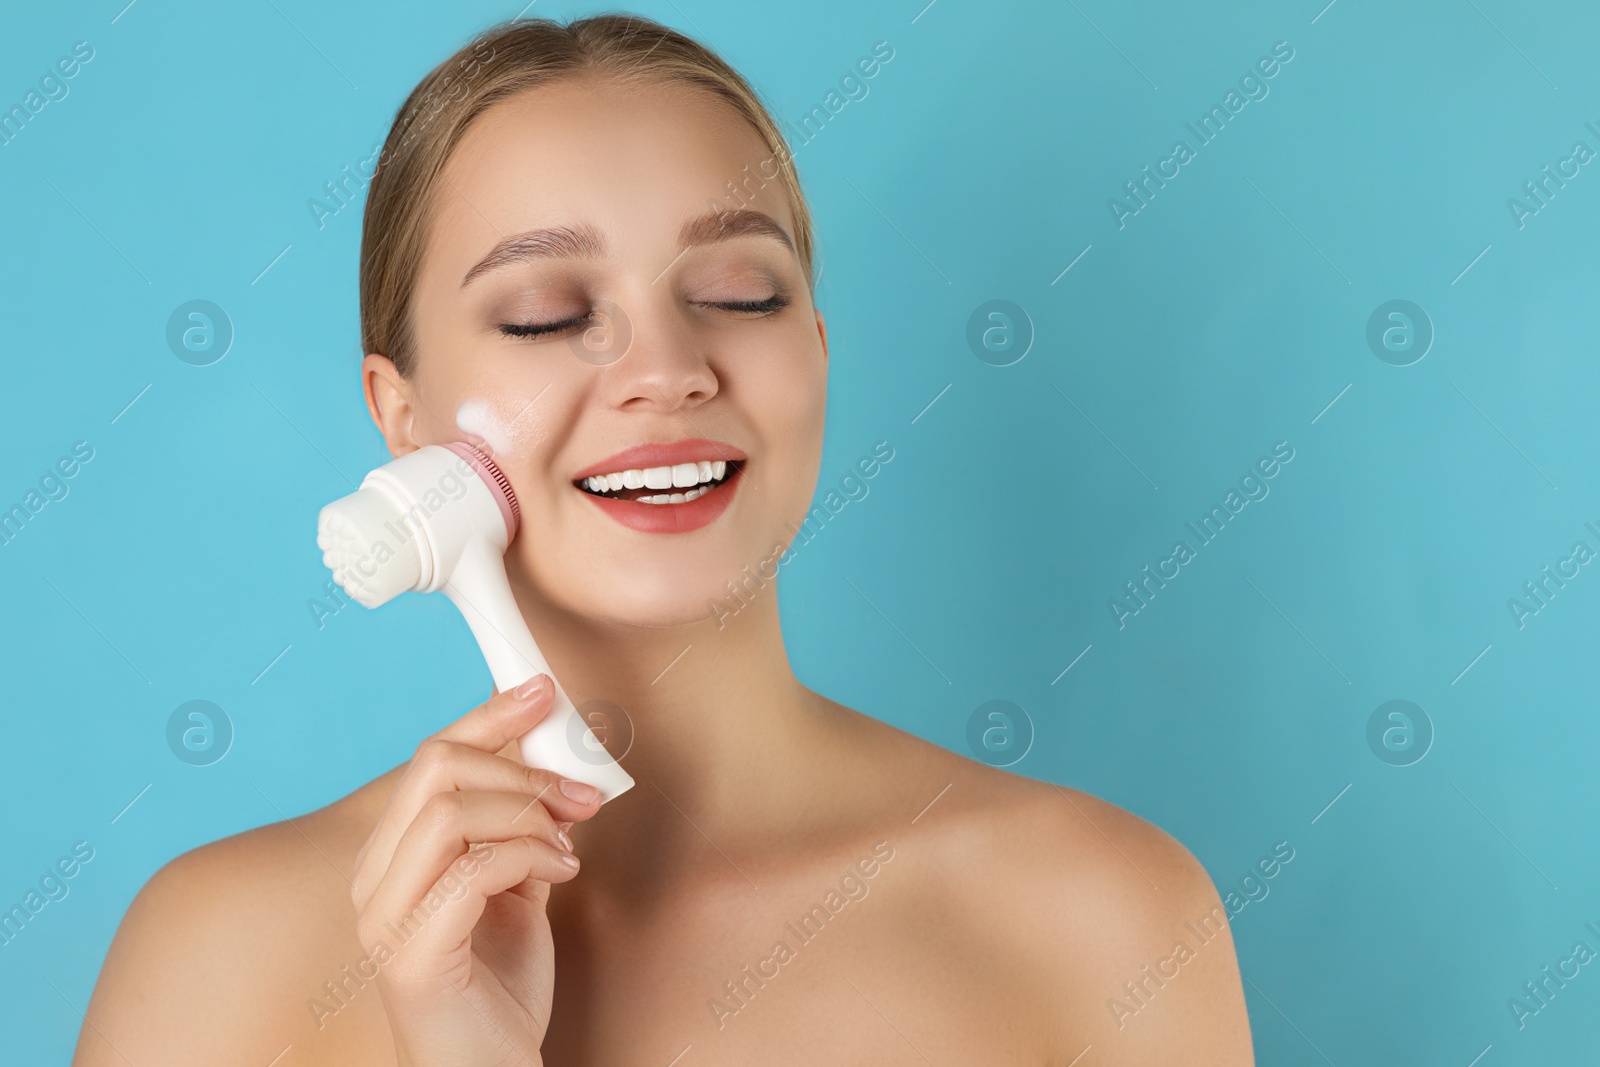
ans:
x=440 y=518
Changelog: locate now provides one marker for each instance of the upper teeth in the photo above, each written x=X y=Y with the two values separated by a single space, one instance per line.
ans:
x=679 y=475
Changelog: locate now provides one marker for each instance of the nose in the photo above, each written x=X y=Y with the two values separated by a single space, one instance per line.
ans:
x=665 y=364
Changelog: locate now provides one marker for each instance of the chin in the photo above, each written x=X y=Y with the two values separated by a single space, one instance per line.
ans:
x=653 y=594
x=681 y=604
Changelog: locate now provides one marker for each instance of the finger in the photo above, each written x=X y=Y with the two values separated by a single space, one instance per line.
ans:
x=442 y=766
x=495 y=723
x=448 y=824
x=433 y=938
x=504 y=717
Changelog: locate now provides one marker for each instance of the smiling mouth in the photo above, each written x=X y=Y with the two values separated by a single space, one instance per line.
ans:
x=679 y=483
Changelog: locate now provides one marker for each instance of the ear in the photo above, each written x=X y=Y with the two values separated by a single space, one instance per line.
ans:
x=389 y=402
x=822 y=331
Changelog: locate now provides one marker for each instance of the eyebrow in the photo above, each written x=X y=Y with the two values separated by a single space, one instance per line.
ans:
x=584 y=241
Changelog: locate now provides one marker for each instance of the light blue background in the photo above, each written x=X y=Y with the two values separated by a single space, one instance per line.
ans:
x=1224 y=317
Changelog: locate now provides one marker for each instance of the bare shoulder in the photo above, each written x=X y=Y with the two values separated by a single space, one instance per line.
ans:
x=221 y=950
x=1123 y=924
x=1103 y=924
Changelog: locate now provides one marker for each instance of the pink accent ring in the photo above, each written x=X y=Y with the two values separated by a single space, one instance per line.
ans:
x=497 y=482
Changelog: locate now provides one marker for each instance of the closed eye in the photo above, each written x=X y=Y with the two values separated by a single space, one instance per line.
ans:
x=539 y=329
x=777 y=302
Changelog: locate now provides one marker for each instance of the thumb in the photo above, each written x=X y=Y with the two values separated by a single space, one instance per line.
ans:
x=504 y=717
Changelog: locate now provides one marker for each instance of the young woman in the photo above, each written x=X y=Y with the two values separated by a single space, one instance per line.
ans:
x=553 y=253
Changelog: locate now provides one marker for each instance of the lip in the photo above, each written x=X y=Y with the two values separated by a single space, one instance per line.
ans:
x=661 y=455
x=672 y=518
x=668 y=518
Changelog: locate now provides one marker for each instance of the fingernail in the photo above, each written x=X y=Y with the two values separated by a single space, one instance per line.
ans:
x=583 y=794
x=566 y=842
x=532 y=687
x=569 y=859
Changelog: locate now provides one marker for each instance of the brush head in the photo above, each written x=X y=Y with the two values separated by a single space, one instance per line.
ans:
x=404 y=527
x=359 y=542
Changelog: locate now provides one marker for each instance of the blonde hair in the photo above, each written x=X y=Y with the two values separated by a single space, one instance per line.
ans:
x=502 y=60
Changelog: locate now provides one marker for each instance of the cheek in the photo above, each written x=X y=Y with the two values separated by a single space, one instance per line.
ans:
x=782 y=396
x=507 y=426
x=480 y=422
x=790 y=421
x=471 y=390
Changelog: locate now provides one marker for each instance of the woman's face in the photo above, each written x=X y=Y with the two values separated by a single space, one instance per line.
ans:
x=563 y=325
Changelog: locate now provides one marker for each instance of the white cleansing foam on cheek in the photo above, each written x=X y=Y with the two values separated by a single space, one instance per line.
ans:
x=498 y=431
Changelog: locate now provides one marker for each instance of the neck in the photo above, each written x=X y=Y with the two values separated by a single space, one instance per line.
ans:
x=714 y=713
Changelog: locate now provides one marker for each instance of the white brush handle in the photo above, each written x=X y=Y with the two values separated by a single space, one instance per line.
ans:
x=561 y=742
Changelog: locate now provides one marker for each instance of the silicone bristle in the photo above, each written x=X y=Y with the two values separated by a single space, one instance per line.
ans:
x=504 y=484
x=364 y=543
x=494 y=478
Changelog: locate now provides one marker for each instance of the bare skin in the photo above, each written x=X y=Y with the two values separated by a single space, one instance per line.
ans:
x=957 y=913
